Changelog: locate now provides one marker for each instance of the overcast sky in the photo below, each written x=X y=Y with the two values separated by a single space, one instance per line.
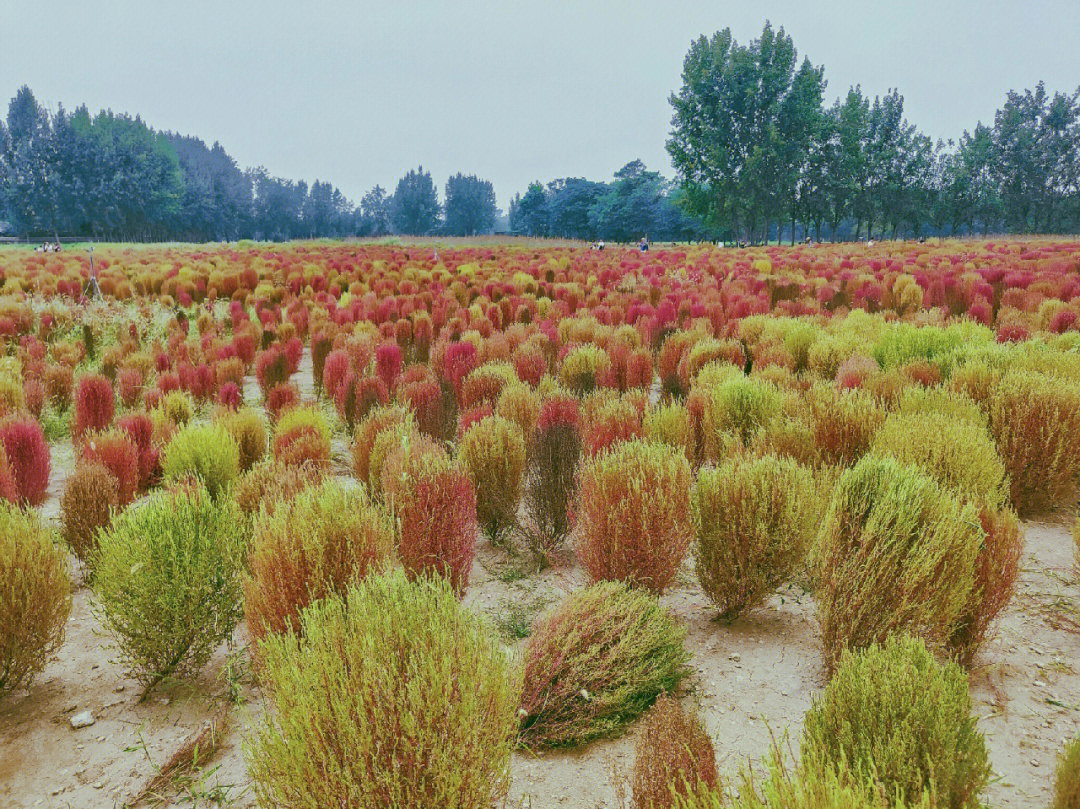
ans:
x=357 y=93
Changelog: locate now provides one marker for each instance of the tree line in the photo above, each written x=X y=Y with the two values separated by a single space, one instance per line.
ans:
x=758 y=154
x=112 y=176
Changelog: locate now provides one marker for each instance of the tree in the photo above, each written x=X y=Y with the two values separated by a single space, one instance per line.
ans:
x=375 y=213
x=415 y=208
x=529 y=213
x=739 y=129
x=470 y=206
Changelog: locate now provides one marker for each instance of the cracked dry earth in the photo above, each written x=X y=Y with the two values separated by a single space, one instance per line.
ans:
x=753 y=678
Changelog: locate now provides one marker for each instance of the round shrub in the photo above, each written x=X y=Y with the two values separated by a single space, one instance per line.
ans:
x=379 y=419
x=311 y=545
x=670 y=424
x=433 y=498
x=268 y=483
x=595 y=663
x=843 y=422
x=248 y=430
x=896 y=552
x=394 y=695
x=894 y=711
x=28 y=458
x=115 y=451
x=634 y=514
x=90 y=497
x=95 y=403
x=584 y=368
x=1067 y=777
x=1035 y=420
x=755 y=518
x=493 y=450
x=167 y=582
x=36 y=596
x=673 y=757
x=302 y=435
x=738 y=405
x=206 y=452
x=956 y=453
x=552 y=479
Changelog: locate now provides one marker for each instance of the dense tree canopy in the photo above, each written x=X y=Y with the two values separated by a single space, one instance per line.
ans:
x=755 y=150
x=470 y=206
x=415 y=207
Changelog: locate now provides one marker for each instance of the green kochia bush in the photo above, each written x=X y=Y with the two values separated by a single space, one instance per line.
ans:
x=595 y=663
x=167 y=582
x=207 y=452
x=1067 y=777
x=35 y=596
x=392 y=696
x=896 y=552
x=892 y=711
x=755 y=518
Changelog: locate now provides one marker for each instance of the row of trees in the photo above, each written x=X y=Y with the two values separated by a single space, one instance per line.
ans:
x=757 y=153
x=112 y=176
x=636 y=203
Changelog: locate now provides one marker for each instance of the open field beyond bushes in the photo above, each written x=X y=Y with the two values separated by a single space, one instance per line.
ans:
x=336 y=524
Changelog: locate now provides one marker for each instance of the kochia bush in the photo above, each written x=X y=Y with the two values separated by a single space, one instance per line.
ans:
x=393 y=695
x=167 y=582
x=301 y=436
x=634 y=514
x=673 y=757
x=36 y=598
x=755 y=518
x=896 y=552
x=95 y=403
x=595 y=663
x=1067 y=777
x=894 y=711
x=90 y=497
x=493 y=450
x=206 y=452
x=28 y=458
x=308 y=547
x=552 y=480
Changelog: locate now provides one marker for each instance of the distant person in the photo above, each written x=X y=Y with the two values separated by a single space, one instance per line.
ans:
x=600 y=245
x=644 y=244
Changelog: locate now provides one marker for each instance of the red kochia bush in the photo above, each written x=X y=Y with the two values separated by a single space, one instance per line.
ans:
x=140 y=429
x=271 y=368
x=28 y=456
x=334 y=371
x=434 y=500
x=673 y=757
x=634 y=514
x=120 y=455
x=94 y=404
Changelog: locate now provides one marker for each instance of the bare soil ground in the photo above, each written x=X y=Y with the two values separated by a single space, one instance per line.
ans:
x=752 y=678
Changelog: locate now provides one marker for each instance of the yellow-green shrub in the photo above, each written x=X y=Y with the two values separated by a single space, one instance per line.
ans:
x=896 y=552
x=314 y=544
x=1035 y=421
x=493 y=450
x=167 y=582
x=596 y=662
x=956 y=453
x=206 y=452
x=741 y=406
x=670 y=424
x=584 y=368
x=1067 y=777
x=843 y=422
x=35 y=596
x=895 y=712
x=248 y=430
x=391 y=696
x=755 y=518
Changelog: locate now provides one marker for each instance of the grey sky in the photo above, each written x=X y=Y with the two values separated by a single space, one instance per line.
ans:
x=357 y=93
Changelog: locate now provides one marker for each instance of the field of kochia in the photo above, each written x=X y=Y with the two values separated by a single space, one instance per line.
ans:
x=297 y=458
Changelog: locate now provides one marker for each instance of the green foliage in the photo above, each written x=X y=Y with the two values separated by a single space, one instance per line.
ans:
x=1067 y=777
x=896 y=552
x=35 y=596
x=740 y=405
x=206 y=452
x=596 y=662
x=957 y=453
x=893 y=712
x=167 y=582
x=755 y=518
x=493 y=450
x=393 y=696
